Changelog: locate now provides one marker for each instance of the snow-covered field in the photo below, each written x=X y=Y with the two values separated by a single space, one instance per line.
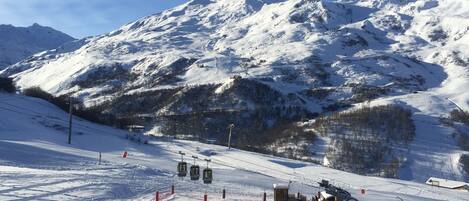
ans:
x=36 y=163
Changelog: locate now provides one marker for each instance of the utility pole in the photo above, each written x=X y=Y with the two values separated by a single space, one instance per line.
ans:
x=231 y=126
x=70 y=120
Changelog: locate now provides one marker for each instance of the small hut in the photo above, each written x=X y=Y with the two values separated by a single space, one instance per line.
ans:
x=450 y=184
x=136 y=128
x=136 y=134
x=280 y=192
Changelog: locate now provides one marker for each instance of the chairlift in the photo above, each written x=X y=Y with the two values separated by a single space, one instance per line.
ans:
x=195 y=170
x=182 y=169
x=207 y=174
x=182 y=166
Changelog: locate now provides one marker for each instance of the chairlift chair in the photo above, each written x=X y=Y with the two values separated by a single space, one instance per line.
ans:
x=182 y=166
x=182 y=169
x=208 y=176
x=195 y=170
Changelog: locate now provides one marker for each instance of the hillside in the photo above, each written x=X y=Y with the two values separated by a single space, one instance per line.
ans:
x=37 y=164
x=266 y=64
x=19 y=43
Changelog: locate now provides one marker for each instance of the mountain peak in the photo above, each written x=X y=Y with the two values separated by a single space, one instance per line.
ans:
x=21 y=42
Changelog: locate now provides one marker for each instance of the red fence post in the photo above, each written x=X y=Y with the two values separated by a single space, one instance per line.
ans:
x=172 y=190
x=157 y=196
x=265 y=197
x=224 y=194
x=205 y=197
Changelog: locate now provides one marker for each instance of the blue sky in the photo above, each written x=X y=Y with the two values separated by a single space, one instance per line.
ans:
x=80 y=18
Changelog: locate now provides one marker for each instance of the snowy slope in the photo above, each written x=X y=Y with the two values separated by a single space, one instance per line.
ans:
x=18 y=43
x=442 y=27
x=37 y=164
x=184 y=61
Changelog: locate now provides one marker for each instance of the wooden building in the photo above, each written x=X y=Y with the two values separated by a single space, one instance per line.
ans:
x=280 y=192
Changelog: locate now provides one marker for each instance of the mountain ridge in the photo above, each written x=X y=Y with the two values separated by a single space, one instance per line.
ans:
x=18 y=43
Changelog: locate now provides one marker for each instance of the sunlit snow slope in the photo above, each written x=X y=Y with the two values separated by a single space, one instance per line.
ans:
x=37 y=164
x=415 y=51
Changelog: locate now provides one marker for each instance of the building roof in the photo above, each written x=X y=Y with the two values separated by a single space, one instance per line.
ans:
x=446 y=183
x=280 y=186
x=136 y=126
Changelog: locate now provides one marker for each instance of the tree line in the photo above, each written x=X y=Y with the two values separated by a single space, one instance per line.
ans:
x=362 y=138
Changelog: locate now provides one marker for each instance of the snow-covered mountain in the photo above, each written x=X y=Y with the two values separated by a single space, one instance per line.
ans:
x=196 y=68
x=292 y=46
x=18 y=43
